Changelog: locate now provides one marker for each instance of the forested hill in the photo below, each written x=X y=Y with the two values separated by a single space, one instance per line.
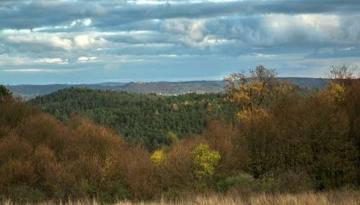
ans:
x=162 y=88
x=147 y=118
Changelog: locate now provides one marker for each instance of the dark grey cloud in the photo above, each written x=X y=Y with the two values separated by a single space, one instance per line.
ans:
x=25 y=14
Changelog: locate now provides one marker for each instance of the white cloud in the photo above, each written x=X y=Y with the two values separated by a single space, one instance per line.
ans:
x=78 y=23
x=40 y=70
x=86 y=41
x=305 y=27
x=13 y=60
x=58 y=42
x=85 y=59
x=66 y=41
x=81 y=22
x=52 y=61
x=51 y=40
x=191 y=29
x=193 y=33
x=263 y=55
x=6 y=59
x=29 y=70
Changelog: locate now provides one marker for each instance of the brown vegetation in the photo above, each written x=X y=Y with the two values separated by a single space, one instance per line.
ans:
x=328 y=198
x=284 y=140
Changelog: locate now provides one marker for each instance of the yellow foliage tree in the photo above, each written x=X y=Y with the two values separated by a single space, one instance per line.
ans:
x=256 y=92
x=247 y=115
x=335 y=91
x=158 y=157
x=251 y=92
x=205 y=160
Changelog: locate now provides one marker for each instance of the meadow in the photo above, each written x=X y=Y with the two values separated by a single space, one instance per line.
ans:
x=327 y=198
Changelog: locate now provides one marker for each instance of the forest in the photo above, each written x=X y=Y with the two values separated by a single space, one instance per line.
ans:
x=261 y=136
x=147 y=119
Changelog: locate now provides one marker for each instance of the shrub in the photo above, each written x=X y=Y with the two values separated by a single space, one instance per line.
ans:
x=244 y=181
x=172 y=138
x=225 y=139
x=293 y=181
x=138 y=172
x=5 y=94
x=41 y=158
x=24 y=194
x=176 y=176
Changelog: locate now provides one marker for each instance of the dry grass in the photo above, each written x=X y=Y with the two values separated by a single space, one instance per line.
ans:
x=328 y=198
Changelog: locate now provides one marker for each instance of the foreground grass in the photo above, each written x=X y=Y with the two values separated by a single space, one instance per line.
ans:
x=328 y=198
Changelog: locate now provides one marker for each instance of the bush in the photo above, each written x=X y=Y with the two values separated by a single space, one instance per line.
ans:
x=24 y=194
x=42 y=158
x=293 y=181
x=138 y=172
x=243 y=181
x=225 y=139
x=176 y=176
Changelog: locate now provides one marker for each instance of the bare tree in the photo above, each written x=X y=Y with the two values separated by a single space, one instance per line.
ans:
x=342 y=72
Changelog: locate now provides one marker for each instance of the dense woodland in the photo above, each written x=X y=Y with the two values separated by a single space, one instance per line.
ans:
x=147 y=119
x=263 y=135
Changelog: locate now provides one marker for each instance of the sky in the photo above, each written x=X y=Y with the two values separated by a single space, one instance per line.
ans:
x=88 y=41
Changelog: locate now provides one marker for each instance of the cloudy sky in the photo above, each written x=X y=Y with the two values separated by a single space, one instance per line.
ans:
x=83 y=41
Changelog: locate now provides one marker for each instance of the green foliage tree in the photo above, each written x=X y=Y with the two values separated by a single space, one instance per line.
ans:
x=172 y=138
x=4 y=93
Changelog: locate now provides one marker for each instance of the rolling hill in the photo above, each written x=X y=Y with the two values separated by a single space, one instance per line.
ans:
x=161 y=88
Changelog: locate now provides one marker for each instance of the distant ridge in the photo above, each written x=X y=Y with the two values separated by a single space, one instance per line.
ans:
x=162 y=88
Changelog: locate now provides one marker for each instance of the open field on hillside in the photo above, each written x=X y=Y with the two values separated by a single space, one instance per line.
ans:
x=328 y=198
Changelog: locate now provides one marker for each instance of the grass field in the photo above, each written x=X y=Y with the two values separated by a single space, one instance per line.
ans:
x=328 y=198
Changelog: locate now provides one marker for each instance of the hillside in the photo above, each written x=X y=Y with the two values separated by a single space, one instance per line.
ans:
x=162 y=88
x=261 y=136
x=174 y=88
x=31 y=91
x=145 y=118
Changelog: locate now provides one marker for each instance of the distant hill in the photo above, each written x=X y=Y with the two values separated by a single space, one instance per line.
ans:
x=31 y=91
x=311 y=83
x=162 y=88
x=175 y=88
